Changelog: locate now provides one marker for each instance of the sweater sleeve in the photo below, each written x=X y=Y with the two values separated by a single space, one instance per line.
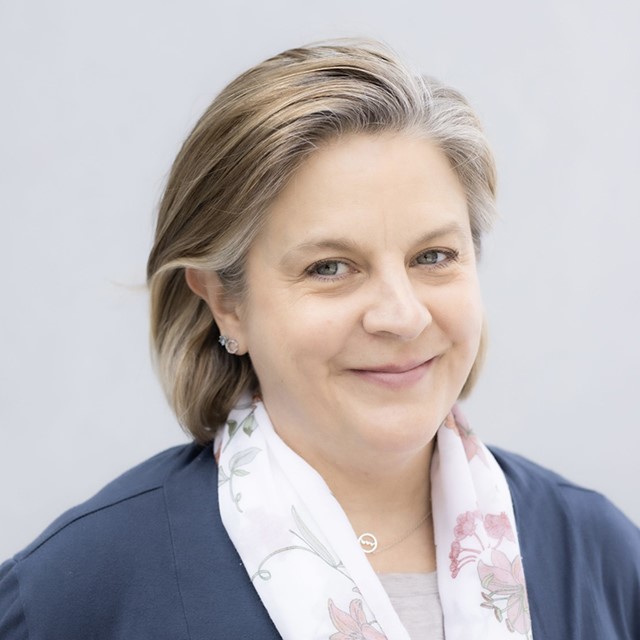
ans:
x=581 y=556
x=13 y=624
x=610 y=556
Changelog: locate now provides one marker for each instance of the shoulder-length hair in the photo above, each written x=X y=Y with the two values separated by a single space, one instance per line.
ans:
x=238 y=158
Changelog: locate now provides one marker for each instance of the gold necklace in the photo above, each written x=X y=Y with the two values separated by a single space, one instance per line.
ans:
x=369 y=542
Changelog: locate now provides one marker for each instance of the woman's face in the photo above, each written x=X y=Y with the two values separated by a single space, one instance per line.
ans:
x=363 y=312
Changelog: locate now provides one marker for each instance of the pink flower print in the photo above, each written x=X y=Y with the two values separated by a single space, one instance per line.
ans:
x=454 y=556
x=459 y=418
x=471 y=446
x=498 y=527
x=465 y=551
x=505 y=591
x=465 y=525
x=458 y=423
x=352 y=625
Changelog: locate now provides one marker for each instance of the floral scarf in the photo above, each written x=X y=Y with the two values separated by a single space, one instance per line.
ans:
x=304 y=559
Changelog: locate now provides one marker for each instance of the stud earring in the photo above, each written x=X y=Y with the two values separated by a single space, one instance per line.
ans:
x=230 y=344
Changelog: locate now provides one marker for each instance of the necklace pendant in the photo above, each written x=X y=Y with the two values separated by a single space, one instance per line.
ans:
x=368 y=542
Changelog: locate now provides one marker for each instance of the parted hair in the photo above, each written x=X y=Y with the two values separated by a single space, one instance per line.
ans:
x=240 y=155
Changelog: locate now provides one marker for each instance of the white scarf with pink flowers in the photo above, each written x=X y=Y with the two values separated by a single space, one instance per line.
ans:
x=304 y=559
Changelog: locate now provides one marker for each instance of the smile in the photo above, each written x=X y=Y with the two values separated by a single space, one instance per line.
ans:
x=395 y=376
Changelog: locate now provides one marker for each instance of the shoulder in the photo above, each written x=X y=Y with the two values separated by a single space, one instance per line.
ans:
x=575 y=542
x=535 y=487
x=122 y=494
x=548 y=504
x=126 y=524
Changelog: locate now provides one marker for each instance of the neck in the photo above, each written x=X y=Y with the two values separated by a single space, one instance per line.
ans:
x=389 y=501
x=383 y=492
x=388 y=490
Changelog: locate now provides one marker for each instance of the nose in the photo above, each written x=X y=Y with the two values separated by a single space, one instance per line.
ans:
x=394 y=307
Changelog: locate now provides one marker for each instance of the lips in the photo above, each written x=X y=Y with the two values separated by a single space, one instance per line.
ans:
x=395 y=376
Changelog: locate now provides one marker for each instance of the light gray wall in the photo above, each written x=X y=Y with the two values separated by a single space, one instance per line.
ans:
x=96 y=98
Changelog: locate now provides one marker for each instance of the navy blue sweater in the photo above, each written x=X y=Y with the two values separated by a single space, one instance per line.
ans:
x=148 y=557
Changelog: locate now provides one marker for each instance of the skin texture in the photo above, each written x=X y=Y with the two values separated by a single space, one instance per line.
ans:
x=362 y=318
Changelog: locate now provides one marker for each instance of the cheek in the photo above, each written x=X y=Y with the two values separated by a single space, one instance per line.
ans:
x=316 y=321
x=295 y=336
x=460 y=313
x=318 y=337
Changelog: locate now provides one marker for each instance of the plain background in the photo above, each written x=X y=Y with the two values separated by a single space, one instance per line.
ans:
x=96 y=99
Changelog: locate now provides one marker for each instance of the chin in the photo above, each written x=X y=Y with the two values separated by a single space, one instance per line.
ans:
x=397 y=430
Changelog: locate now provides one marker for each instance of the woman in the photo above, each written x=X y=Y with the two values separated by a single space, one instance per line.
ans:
x=316 y=315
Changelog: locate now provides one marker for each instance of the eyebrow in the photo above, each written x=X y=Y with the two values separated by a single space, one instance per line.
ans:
x=347 y=244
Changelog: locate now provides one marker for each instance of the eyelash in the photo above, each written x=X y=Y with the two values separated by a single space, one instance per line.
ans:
x=451 y=255
x=311 y=271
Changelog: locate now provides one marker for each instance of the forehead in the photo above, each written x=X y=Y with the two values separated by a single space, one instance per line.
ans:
x=364 y=186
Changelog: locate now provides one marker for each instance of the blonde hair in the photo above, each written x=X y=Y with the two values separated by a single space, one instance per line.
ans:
x=238 y=158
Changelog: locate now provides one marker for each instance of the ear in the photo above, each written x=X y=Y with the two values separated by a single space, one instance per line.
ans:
x=225 y=311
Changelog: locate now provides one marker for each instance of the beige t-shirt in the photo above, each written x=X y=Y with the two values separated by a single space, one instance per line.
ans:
x=415 y=598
